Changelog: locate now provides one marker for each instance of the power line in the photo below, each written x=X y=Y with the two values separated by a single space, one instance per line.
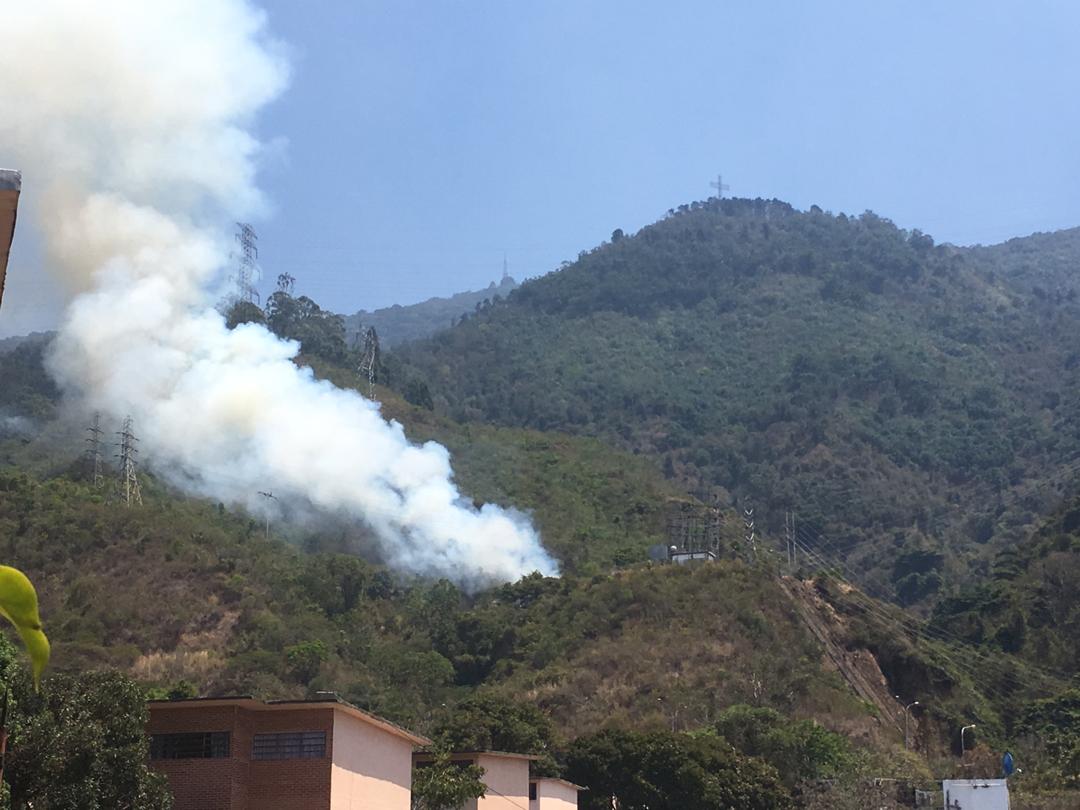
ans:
x=931 y=635
x=869 y=608
x=941 y=634
x=927 y=633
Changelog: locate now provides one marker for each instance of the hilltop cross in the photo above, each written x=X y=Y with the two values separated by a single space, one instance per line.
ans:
x=720 y=186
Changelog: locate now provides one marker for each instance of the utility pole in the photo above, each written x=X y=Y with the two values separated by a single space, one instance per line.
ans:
x=93 y=449
x=127 y=484
x=506 y=269
x=790 y=540
x=720 y=186
x=268 y=496
x=247 y=269
x=751 y=538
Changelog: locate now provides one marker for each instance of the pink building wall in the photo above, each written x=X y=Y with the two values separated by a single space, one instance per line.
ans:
x=507 y=779
x=371 y=769
x=554 y=794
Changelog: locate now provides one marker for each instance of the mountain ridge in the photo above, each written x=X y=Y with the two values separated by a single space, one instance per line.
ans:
x=403 y=322
x=839 y=366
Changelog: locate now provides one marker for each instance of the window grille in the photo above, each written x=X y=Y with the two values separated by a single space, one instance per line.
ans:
x=289 y=745
x=190 y=745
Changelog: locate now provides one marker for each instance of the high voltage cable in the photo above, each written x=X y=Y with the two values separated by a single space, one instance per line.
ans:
x=944 y=636
x=871 y=608
x=1007 y=499
x=968 y=670
x=971 y=670
x=942 y=633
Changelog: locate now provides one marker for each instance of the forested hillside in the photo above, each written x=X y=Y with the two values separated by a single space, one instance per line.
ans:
x=1030 y=603
x=400 y=323
x=190 y=596
x=912 y=402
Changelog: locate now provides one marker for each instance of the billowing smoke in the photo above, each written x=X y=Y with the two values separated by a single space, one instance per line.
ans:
x=130 y=121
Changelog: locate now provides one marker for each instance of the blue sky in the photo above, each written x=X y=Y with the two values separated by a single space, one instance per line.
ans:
x=427 y=138
x=422 y=140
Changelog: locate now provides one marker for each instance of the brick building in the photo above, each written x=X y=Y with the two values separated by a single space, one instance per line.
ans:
x=244 y=754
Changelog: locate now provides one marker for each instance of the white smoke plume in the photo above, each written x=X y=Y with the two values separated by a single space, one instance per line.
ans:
x=130 y=120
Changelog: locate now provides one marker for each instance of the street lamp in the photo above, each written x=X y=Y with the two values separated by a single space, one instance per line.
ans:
x=907 y=716
x=965 y=728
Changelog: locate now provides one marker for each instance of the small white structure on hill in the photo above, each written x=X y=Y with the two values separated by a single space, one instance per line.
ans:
x=976 y=794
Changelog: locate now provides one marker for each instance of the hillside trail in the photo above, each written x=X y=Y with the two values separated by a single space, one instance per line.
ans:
x=859 y=668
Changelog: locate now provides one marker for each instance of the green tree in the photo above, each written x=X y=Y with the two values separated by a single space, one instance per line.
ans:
x=665 y=771
x=79 y=743
x=491 y=723
x=320 y=333
x=418 y=394
x=1053 y=727
x=243 y=312
x=305 y=659
x=799 y=750
x=446 y=785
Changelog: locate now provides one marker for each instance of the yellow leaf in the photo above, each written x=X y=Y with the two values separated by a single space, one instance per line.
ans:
x=19 y=605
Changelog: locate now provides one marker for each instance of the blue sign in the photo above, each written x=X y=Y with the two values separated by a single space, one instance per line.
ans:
x=1007 y=764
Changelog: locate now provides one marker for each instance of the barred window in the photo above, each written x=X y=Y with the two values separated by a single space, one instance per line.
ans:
x=190 y=745
x=289 y=745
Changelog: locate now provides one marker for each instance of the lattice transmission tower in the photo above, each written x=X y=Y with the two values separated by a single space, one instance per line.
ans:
x=694 y=527
x=127 y=482
x=93 y=450
x=369 y=359
x=247 y=266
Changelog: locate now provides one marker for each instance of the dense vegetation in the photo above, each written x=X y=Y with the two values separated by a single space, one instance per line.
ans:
x=234 y=612
x=1030 y=604
x=899 y=395
x=80 y=742
x=528 y=666
x=890 y=389
x=667 y=771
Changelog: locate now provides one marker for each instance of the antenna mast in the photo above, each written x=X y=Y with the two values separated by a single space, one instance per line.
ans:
x=127 y=484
